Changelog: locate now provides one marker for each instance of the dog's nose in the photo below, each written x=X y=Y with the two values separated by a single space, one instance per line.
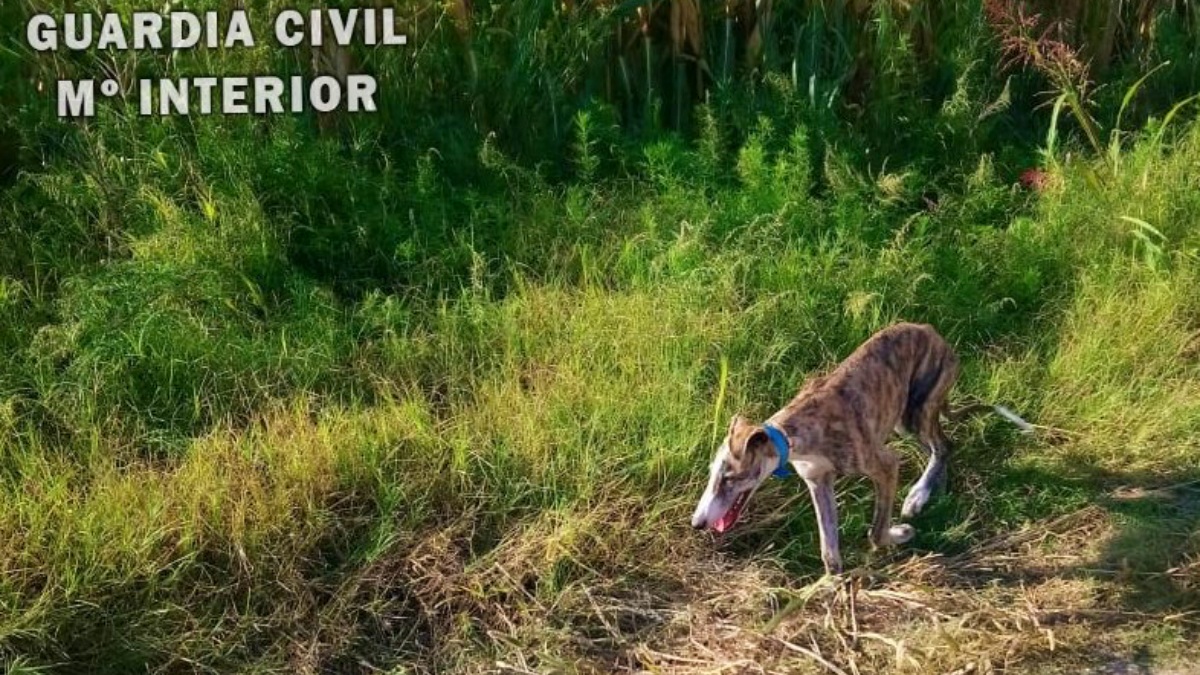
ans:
x=698 y=523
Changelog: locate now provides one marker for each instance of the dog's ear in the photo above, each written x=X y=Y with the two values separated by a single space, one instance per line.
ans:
x=744 y=437
x=757 y=441
x=735 y=423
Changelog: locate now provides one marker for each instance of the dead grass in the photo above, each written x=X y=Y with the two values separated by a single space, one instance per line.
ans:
x=1039 y=599
x=1028 y=600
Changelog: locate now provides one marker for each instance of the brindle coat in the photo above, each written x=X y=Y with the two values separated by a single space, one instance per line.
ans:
x=839 y=425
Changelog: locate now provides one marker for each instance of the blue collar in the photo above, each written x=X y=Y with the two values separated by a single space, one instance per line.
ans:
x=781 y=446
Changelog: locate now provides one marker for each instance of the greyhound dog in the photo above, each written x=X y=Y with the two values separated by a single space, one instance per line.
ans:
x=838 y=425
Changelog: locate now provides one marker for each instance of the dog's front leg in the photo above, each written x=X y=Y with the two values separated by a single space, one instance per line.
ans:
x=884 y=471
x=825 y=505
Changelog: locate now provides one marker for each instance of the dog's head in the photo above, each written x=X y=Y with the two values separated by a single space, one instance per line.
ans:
x=745 y=459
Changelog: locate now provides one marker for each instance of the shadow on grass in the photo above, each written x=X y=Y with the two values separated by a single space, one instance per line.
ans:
x=1154 y=555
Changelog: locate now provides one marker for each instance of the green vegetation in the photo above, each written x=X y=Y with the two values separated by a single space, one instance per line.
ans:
x=433 y=390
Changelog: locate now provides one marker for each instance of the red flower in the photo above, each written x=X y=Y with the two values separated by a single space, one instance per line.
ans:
x=1034 y=179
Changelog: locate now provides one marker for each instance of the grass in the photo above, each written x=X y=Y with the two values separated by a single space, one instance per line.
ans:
x=213 y=462
x=300 y=395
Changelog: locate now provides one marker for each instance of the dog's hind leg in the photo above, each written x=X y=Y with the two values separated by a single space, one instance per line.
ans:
x=925 y=422
x=884 y=472
x=933 y=439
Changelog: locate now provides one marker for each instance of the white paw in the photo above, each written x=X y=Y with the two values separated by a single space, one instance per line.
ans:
x=899 y=534
x=916 y=500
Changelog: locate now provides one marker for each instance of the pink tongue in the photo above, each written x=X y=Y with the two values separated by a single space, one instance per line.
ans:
x=726 y=521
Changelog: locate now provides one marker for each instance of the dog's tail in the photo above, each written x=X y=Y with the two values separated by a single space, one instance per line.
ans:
x=975 y=408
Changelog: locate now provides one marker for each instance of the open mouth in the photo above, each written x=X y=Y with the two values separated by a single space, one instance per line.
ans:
x=726 y=521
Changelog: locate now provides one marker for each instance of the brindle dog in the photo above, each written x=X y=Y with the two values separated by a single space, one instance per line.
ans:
x=839 y=425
